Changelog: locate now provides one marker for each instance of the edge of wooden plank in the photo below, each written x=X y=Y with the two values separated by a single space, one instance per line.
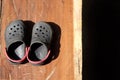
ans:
x=0 y=22
x=77 y=23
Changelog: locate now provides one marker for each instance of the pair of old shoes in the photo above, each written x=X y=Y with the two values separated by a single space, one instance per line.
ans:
x=39 y=49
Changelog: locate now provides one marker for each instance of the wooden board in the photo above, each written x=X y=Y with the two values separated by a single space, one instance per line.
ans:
x=63 y=16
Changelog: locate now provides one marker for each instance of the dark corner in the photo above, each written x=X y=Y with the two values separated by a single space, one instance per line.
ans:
x=55 y=44
x=100 y=38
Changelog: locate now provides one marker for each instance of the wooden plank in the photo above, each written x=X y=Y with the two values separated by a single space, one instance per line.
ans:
x=57 y=11
x=77 y=15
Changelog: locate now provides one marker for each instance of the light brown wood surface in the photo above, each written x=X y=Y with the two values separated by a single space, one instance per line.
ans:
x=68 y=64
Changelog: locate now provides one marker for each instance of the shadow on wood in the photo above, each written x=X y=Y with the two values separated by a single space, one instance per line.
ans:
x=29 y=26
x=55 y=44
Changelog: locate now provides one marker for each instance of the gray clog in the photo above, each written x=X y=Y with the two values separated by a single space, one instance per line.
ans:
x=15 y=45
x=40 y=43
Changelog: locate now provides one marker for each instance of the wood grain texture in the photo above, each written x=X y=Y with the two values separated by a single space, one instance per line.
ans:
x=64 y=67
x=0 y=7
x=0 y=22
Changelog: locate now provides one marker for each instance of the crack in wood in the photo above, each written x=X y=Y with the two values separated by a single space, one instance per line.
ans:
x=0 y=21
x=0 y=8
x=10 y=77
x=15 y=8
x=51 y=73
x=62 y=1
x=0 y=12
x=78 y=65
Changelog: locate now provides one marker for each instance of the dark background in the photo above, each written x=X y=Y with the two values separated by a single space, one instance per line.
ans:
x=101 y=39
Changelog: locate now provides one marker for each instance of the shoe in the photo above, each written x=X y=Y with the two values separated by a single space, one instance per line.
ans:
x=15 y=45
x=40 y=43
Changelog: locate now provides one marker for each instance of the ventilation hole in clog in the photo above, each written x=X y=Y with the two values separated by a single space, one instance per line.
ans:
x=42 y=32
x=46 y=31
x=17 y=28
x=14 y=31
x=37 y=35
x=9 y=33
x=46 y=35
x=43 y=27
x=14 y=26
x=37 y=29
x=13 y=34
x=17 y=24
x=40 y=26
x=11 y=28
x=43 y=36
x=20 y=27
